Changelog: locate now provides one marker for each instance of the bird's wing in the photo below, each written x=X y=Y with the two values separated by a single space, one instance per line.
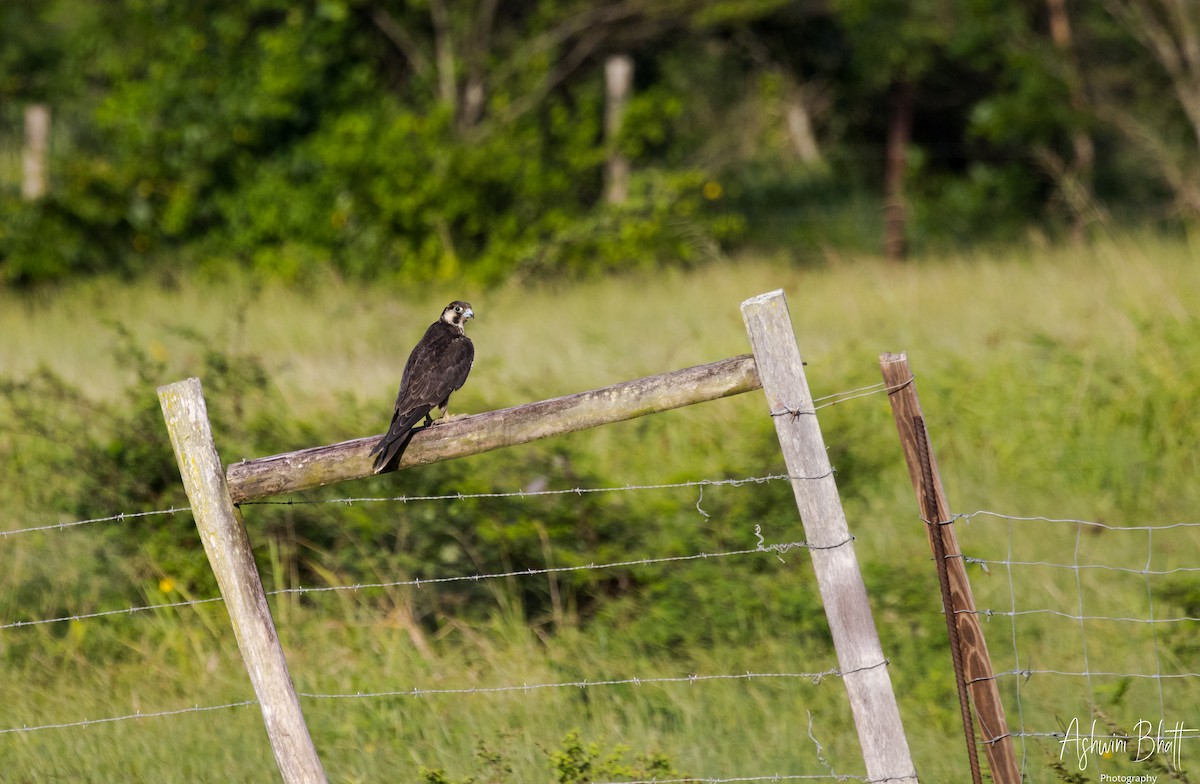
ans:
x=436 y=368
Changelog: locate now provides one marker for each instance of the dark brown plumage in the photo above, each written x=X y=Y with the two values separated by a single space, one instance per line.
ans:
x=437 y=366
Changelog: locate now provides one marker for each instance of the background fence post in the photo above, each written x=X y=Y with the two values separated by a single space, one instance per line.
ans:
x=931 y=500
x=228 y=548
x=33 y=156
x=843 y=594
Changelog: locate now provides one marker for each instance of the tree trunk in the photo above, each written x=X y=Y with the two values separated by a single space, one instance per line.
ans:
x=899 y=134
x=33 y=158
x=1170 y=32
x=1075 y=179
x=618 y=84
x=478 y=47
x=444 y=56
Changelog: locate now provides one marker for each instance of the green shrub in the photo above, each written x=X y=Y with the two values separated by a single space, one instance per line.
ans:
x=573 y=763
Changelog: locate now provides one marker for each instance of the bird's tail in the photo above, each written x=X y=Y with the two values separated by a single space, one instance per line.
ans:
x=390 y=447
x=395 y=441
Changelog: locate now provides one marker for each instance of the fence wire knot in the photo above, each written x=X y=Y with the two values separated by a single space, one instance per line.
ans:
x=794 y=413
x=763 y=547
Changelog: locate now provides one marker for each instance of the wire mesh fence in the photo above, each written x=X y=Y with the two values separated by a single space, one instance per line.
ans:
x=1092 y=628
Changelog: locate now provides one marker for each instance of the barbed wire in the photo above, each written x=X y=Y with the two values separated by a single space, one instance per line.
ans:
x=762 y=547
x=532 y=572
x=816 y=678
x=841 y=397
x=771 y=777
x=700 y=483
x=127 y=717
x=106 y=613
x=123 y=516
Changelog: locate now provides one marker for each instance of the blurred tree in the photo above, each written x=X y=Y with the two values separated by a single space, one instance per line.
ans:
x=895 y=45
x=425 y=138
x=1166 y=132
x=29 y=51
x=1073 y=174
x=1040 y=110
x=416 y=138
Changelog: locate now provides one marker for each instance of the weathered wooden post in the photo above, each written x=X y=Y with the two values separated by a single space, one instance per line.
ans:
x=228 y=548
x=973 y=657
x=860 y=655
x=618 y=85
x=34 y=154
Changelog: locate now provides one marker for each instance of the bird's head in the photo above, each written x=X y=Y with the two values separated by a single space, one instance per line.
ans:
x=457 y=313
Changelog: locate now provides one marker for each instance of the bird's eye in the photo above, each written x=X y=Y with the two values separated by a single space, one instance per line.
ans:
x=458 y=309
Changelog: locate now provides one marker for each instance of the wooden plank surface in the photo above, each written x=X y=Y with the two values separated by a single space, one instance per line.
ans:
x=843 y=594
x=977 y=663
x=469 y=435
x=228 y=548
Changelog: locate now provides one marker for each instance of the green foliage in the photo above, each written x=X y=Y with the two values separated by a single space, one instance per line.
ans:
x=573 y=763
x=576 y=763
x=895 y=41
x=982 y=204
x=387 y=143
x=1183 y=595
x=63 y=236
x=88 y=458
x=279 y=137
x=29 y=50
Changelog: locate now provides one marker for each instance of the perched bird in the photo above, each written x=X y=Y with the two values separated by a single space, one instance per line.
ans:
x=437 y=366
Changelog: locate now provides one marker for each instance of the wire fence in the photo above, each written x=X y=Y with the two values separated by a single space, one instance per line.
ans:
x=775 y=550
x=1050 y=590
x=1093 y=628
x=762 y=546
x=117 y=518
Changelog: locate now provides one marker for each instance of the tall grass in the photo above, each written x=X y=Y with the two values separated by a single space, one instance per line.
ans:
x=1058 y=382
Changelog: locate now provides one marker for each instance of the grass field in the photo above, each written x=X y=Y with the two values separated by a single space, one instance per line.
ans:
x=1055 y=382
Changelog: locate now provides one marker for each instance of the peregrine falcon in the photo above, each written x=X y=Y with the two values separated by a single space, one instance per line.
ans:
x=437 y=366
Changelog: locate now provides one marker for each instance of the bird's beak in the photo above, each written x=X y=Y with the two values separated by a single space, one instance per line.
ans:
x=469 y=314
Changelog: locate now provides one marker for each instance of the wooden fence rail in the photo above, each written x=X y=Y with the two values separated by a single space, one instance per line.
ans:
x=470 y=435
